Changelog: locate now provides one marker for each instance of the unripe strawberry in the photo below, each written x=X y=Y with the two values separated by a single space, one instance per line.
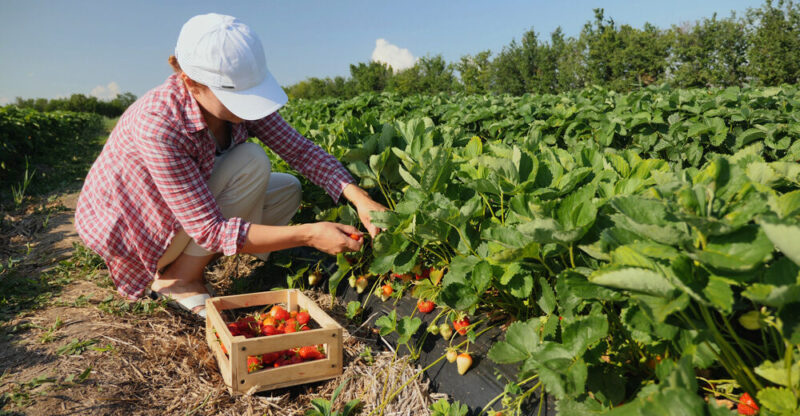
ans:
x=433 y=329
x=314 y=278
x=361 y=284
x=464 y=362
x=445 y=330
x=451 y=354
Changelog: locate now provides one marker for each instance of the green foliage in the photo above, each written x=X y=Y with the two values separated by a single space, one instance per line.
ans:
x=761 y=48
x=324 y=407
x=35 y=139
x=80 y=103
x=613 y=230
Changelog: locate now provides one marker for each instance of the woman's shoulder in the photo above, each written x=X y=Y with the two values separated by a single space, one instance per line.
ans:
x=168 y=103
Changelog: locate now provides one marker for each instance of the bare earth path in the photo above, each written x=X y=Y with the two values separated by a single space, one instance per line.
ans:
x=88 y=352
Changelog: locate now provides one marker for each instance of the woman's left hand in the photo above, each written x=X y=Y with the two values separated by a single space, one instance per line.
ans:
x=364 y=205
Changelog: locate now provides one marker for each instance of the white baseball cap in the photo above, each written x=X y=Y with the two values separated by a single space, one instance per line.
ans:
x=223 y=53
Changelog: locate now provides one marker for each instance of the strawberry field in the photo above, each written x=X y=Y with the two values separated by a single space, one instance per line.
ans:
x=640 y=251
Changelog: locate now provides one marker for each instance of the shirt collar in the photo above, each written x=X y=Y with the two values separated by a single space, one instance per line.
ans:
x=193 y=117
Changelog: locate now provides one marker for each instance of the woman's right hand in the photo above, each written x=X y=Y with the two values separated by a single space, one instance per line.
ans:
x=334 y=238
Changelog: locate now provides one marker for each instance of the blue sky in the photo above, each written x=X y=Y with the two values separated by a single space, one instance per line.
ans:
x=56 y=48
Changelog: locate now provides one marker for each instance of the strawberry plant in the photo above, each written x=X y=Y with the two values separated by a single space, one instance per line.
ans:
x=637 y=248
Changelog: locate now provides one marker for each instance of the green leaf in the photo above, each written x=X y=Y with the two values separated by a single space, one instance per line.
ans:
x=742 y=250
x=633 y=279
x=407 y=327
x=459 y=296
x=779 y=400
x=582 y=332
x=775 y=372
x=784 y=235
x=481 y=276
x=521 y=341
x=547 y=298
x=791 y=322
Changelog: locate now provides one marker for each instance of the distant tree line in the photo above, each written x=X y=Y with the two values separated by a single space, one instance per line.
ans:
x=760 y=48
x=80 y=103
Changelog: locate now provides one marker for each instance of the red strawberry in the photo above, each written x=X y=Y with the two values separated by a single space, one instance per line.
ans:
x=279 y=313
x=310 y=353
x=270 y=357
x=305 y=328
x=267 y=330
x=291 y=326
x=461 y=325
x=253 y=363
x=425 y=306
x=747 y=406
x=303 y=317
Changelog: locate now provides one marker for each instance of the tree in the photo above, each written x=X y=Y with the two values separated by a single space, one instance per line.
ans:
x=475 y=72
x=709 y=53
x=774 y=52
x=373 y=76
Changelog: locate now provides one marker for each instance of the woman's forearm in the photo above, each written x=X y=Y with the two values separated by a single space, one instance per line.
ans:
x=267 y=238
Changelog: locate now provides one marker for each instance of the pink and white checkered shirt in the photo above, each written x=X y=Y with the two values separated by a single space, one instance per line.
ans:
x=151 y=180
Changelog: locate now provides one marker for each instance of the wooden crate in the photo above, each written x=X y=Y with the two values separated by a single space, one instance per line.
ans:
x=234 y=367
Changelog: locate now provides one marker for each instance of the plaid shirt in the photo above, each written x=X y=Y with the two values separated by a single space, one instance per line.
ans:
x=151 y=180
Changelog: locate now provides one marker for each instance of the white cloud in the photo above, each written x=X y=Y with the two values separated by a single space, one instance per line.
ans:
x=398 y=58
x=106 y=92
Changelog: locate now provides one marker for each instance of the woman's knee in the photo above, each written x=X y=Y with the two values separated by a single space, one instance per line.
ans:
x=254 y=158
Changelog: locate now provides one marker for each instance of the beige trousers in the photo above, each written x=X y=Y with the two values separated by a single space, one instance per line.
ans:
x=244 y=186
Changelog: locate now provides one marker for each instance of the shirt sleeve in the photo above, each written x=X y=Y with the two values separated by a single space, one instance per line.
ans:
x=176 y=174
x=301 y=154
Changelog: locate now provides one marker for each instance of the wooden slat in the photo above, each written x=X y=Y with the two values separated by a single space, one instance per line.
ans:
x=216 y=349
x=250 y=299
x=289 y=376
x=316 y=313
x=291 y=299
x=215 y=319
x=263 y=345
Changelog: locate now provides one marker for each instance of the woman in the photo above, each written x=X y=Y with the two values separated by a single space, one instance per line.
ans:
x=176 y=184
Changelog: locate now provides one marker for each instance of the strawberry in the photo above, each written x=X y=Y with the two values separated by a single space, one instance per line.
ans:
x=279 y=313
x=464 y=362
x=461 y=325
x=267 y=330
x=361 y=284
x=303 y=317
x=234 y=328
x=270 y=357
x=425 y=306
x=293 y=314
x=351 y=281
x=305 y=328
x=291 y=326
x=310 y=353
x=386 y=291
x=445 y=331
x=747 y=406
x=253 y=363
x=267 y=320
x=451 y=355
x=433 y=329
x=314 y=278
